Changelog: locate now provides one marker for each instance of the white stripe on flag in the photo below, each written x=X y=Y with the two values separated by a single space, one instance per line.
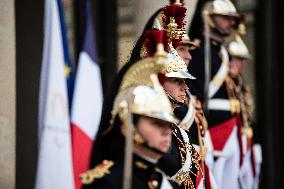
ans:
x=87 y=97
x=86 y=113
x=54 y=169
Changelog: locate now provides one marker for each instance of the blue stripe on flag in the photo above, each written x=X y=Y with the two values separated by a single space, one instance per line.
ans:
x=68 y=63
x=89 y=38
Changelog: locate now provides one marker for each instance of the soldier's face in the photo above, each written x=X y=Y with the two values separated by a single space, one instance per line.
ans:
x=156 y=132
x=183 y=52
x=233 y=69
x=225 y=24
x=239 y=64
x=176 y=88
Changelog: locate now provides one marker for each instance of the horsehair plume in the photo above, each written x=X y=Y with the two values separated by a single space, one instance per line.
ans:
x=177 y=42
x=177 y=11
x=154 y=37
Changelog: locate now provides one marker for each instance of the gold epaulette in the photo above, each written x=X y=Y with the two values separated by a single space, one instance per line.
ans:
x=197 y=104
x=200 y=118
x=96 y=173
x=247 y=88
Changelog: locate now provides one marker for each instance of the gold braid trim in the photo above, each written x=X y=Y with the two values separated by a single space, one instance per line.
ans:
x=233 y=92
x=184 y=178
x=96 y=173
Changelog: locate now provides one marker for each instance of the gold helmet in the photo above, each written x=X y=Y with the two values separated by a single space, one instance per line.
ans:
x=223 y=7
x=149 y=101
x=237 y=48
x=186 y=40
x=220 y=7
x=141 y=91
x=176 y=66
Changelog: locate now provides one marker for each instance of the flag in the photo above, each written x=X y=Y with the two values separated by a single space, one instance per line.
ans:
x=54 y=170
x=68 y=63
x=87 y=100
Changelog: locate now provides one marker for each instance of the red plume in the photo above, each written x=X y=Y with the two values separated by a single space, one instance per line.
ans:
x=176 y=11
x=162 y=78
x=176 y=42
x=151 y=39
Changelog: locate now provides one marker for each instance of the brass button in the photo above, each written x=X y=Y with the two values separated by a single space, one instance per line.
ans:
x=155 y=183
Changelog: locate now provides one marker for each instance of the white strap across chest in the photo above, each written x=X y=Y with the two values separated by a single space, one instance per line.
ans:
x=219 y=104
x=219 y=78
x=165 y=182
x=189 y=117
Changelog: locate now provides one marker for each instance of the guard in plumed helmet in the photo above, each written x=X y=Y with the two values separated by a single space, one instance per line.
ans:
x=191 y=113
x=185 y=170
x=188 y=169
x=188 y=110
x=139 y=132
x=183 y=161
x=190 y=130
x=213 y=22
x=251 y=155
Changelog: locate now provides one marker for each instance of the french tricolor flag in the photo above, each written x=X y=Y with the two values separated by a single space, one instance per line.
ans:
x=87 y=101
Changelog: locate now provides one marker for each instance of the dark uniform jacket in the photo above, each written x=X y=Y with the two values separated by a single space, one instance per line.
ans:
x=145 y=175
x=197 y=67
x=171 y=163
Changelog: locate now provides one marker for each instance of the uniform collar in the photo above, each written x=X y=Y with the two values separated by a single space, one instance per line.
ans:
x=143 y=162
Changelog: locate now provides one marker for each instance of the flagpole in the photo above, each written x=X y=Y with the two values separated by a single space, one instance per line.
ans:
x=207 y=61
x=128 y=152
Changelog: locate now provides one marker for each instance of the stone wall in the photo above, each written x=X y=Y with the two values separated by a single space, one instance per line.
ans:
x=7 y=94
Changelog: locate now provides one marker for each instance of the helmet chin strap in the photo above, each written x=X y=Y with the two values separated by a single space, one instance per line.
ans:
x=220 y=33
x=140 y=140
x=173 y=100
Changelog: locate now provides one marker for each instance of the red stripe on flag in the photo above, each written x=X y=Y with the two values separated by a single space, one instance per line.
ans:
x=220 y=133
x=81 y=152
